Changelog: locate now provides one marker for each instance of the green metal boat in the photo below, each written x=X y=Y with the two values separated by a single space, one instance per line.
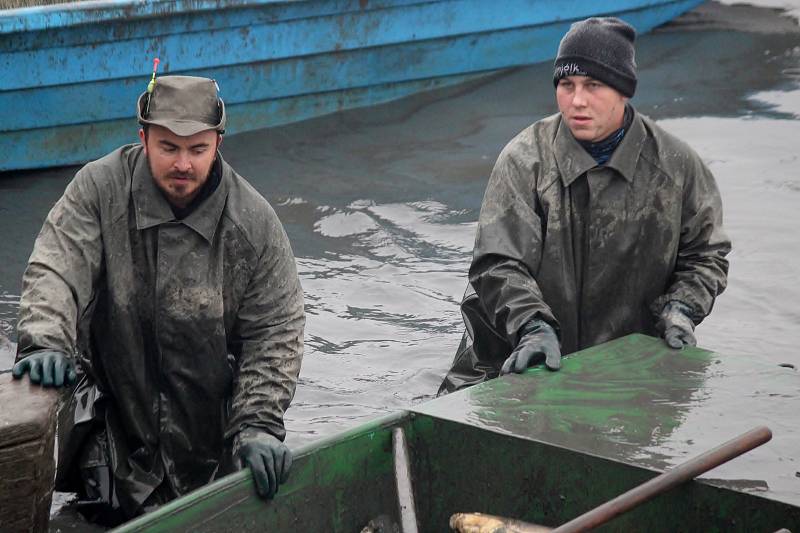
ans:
x=544 y=447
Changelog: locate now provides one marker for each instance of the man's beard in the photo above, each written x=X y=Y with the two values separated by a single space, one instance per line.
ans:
x=190 y=175
x=174 y=193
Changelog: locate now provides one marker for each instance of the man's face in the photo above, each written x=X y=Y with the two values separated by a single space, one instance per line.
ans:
x=592 y=109
x=180 y=165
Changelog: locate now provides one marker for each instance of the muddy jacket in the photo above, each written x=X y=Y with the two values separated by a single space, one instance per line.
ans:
x=595 y=251
x=192 y=329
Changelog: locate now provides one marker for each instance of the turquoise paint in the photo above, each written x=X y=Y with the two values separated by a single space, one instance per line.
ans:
x=79 y=68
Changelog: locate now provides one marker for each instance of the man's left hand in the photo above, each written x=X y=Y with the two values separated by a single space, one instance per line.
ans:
x=676 y=326
x=269 y=459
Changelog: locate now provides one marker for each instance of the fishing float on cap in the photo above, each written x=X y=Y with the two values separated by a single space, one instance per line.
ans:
x=151 y=85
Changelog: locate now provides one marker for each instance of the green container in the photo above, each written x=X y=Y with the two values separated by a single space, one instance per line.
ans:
x=544 y=447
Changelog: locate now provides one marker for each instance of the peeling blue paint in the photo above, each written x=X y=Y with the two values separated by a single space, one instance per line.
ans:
x=76 y=69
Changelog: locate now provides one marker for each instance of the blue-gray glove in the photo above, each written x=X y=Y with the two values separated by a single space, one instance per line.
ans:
x=538 y=341
x=675 y=325
x=268 y=458
x=51 y=368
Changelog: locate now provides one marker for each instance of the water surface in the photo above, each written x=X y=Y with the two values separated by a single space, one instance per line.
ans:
x=381 y=206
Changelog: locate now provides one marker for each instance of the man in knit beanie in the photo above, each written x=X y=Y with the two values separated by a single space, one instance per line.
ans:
x=596 y=223
x=600 y=48
x=596 y=58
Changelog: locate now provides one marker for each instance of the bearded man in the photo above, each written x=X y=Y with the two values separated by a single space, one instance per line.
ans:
x=163 y=286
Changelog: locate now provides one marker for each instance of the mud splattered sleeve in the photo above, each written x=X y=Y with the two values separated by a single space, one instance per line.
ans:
x=508 y=246
x=701 y=267
x=57 y=286
x=269 y=333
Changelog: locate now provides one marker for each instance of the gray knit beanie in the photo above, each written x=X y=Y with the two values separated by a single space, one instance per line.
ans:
x=601 y=48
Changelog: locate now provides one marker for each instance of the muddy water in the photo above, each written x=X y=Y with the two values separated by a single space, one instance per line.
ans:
x=380 y=205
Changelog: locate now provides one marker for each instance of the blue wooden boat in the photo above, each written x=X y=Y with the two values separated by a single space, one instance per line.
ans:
x=70 y=73
x=542 y=447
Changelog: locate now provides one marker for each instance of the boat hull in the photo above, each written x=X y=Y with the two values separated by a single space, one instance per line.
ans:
x=540 y=447
x=70 y=76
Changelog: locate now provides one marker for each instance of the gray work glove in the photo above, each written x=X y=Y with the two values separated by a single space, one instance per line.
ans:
x=538 y=341
x=268 y=458
x=675 y=325
x=48 y=367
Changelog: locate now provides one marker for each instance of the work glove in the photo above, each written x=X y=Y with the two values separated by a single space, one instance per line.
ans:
x=268 y=458
x=51 y=368
x=675 y=325
x=538 y=341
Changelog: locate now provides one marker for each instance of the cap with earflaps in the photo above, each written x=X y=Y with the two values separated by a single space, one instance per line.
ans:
x=600 y=47
x=185 y=105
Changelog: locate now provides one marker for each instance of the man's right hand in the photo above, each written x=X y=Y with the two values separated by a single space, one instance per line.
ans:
x=538 y=341
x=675 y=325
x=48 y=367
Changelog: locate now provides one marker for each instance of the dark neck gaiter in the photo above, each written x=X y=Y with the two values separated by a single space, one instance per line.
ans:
x=601 y=150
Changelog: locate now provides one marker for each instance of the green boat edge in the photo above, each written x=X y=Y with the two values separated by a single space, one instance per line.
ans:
x=191 y=511
x=341 y=482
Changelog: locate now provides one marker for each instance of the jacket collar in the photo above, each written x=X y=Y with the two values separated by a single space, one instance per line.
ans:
x=626 y=157
x=152 y=209
x=573 y=160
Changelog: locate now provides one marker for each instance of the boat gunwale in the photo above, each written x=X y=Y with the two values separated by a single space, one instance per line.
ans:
x=410 y=417
x=241 y=477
